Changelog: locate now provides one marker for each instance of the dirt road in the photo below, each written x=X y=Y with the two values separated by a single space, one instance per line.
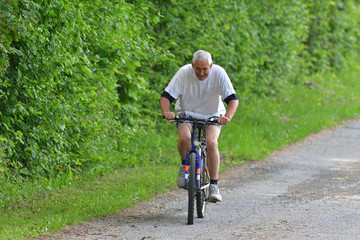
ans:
x=310 y=190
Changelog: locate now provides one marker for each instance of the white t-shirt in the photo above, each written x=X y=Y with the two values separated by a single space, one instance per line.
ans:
x=201 y=99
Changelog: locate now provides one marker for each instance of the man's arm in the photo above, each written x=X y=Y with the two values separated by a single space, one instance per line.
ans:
x=230 y=112
x=165 y=109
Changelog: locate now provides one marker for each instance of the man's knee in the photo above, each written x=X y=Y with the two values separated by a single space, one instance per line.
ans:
x=211 y=144
x=212 y=138
x=184 y=141
x=184 y=133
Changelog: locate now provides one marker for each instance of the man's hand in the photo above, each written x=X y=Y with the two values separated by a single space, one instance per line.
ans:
x=232 y=106
x=223 y=120
x=169 y=115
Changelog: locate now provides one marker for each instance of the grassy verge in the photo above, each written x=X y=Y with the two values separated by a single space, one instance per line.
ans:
x=100 y=196
x=260 y=127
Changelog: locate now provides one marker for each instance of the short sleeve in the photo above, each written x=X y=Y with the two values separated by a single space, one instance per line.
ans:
x=175 y=87
x=226 y=86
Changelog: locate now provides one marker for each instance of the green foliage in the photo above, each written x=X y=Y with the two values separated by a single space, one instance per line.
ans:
x=333 y=35
x=71 y=74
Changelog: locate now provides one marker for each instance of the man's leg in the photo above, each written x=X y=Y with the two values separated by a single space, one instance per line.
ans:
x=213 y=155
x=183 y=145
x=212 y=135
x=184 y=133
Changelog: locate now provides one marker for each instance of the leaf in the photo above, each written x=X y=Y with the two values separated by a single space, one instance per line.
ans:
x=28 y=91
x=87 y=71
x=137 y=63
x=24 y=171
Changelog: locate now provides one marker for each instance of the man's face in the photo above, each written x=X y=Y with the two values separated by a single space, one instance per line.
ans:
x=202 y=69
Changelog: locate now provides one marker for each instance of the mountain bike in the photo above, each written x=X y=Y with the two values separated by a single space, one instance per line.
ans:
x=197 y=179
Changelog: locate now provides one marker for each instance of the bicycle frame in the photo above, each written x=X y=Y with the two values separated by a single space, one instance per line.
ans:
x=195 y=147
x=196 y=144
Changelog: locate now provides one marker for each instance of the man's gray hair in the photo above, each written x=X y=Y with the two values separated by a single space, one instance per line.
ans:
x=202 y=55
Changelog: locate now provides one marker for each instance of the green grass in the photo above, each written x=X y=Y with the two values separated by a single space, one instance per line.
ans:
x=271 y=123
x=51 y=210
x=259 y=127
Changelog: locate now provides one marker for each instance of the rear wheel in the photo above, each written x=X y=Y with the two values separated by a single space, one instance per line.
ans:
x=191 y=188
x=202 y=194
x=201 y=203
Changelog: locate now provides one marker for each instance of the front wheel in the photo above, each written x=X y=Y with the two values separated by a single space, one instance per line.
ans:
x=191 y=187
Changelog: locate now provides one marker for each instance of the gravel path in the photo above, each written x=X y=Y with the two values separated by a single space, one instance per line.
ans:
x=309 y=190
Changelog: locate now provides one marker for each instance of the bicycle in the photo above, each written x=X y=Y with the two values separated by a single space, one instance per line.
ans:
x=197 y=179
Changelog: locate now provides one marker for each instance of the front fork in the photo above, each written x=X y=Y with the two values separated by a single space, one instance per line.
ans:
x=196 y=150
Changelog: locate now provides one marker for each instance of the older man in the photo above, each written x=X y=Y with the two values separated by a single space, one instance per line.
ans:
x=200 y=89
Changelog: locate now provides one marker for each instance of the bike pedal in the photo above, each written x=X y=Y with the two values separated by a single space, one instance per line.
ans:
x=211 y=200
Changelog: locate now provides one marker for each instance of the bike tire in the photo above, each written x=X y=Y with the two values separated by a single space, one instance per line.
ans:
x=202 y=194
x=191 y=188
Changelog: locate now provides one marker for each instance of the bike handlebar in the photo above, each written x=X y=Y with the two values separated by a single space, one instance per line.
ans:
x=211 y=120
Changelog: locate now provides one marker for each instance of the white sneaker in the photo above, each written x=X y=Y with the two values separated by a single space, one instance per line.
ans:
x=180 y=181
x=214 y=194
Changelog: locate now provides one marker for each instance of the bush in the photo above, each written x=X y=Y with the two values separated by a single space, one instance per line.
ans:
x=333 y=36
x=71 y=71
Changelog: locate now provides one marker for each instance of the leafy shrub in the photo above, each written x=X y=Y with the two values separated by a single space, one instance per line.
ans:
x=70 y=74
x=333 y=35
